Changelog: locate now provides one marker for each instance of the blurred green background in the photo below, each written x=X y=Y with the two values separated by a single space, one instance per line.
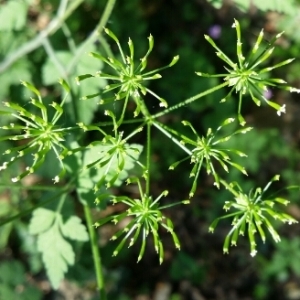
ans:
x=199 y=271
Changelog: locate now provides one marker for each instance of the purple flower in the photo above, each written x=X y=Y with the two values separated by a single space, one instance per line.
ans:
x=215 y=31
x=268 y=94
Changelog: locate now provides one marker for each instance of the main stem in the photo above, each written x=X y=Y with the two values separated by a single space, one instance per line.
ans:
x=148 y=157
x=95 y=251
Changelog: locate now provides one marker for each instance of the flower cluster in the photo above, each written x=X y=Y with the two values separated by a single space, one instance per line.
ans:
x=145 y=217
x=38 y=134
x=252 y=214
x=112 y=155
x=206 y=149
x=246 y=76
x=128 y=79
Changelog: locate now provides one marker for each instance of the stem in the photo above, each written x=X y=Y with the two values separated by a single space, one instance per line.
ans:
x=132 y=121
x=68 y=35
x=93 y=36
x=120 y=121
x=240 y=103
x=10 y=186
x=61 y=203
x=30 y=210
x=58 y=64
x=190 y=100
x=74 y=105
x=37 y=41
x=95 y=251
x=171 y=137
x=105 y=46
x=148 y=157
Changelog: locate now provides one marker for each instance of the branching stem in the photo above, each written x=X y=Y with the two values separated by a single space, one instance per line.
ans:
x=160 y=127
x=190 y=100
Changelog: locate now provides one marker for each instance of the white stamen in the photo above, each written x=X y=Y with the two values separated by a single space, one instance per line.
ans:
x=294 y=90
x=56 y=179
x=281 y=110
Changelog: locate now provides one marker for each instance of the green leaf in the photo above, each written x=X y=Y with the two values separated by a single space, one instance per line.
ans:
x=289 y=25
x=57 y=254
x=5 y=231
x=18 y=71
x=12 y=273
x=13 y=15
x=89 y=178
x=75 y=230
x=6 y=292
x=132 y=153
x=216 y=3
x=5 y=207
x=287 y=6
x=184 y=267
x=41 y=220
x=11 y=291
x=30 y=293
x=86 y=64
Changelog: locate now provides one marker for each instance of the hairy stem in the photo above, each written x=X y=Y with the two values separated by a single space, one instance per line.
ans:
x=160 y=127
x=190 y=100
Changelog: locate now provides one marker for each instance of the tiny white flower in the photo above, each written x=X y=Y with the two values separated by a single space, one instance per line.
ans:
x=4 y=166
x=294 y=90
x=216 y=184
x=135 y=94
x=281 y=110
x=56 y=179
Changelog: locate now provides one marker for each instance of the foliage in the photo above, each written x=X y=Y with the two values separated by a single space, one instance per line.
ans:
x=98 y=149
x=286 y=257
x=283 y=264
x=13 y=284
x=286 y=7
x=51 y=241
